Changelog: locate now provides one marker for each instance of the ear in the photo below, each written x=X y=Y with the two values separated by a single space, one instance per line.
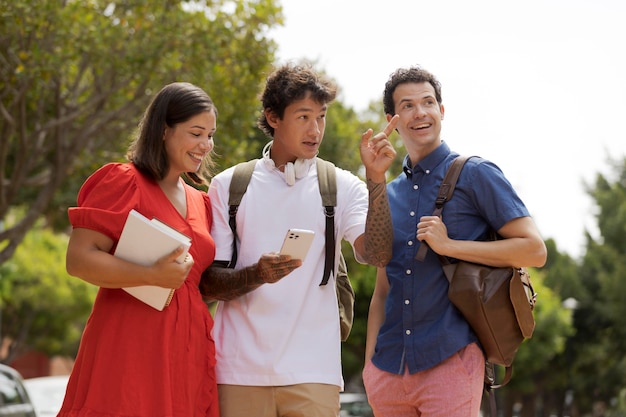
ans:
x=388 y=116
x=442 y=110
x=272 y=118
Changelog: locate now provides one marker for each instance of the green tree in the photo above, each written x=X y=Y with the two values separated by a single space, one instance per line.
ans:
x=600 y=342
x=534 y=385
x=43 y=308
x=363 y=279
x=75 y=77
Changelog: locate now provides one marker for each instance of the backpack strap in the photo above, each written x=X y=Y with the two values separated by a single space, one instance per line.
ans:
x=238 y=186
x=445 y=193
x=327 y=179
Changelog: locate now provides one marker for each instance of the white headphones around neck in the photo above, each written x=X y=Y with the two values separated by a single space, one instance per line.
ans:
x=293 y=170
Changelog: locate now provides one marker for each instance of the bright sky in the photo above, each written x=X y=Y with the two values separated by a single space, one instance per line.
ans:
x=538 y=87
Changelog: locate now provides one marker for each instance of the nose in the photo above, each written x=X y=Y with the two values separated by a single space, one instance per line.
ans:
x=207 y=145
x=419 y=112
x=315 y=127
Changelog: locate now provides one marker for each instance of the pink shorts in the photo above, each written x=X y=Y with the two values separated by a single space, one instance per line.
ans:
x=453 y=388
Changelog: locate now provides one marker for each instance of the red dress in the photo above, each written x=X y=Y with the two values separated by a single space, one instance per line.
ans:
x=133 y=360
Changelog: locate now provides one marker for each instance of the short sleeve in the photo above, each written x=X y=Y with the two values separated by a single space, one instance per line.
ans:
x=493 y=194
x=105 y=199
x=220 y=229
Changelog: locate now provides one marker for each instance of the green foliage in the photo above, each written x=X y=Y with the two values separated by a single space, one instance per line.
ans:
x=593 y=364
x=553 y=327
x=363 y=280
x=600 y=343
x=610 y=197
x=619 y=405
x=43 y=308
x=75 y=77
x=561 y=273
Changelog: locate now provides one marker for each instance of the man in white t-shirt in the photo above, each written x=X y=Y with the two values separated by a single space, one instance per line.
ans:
x=278 y=346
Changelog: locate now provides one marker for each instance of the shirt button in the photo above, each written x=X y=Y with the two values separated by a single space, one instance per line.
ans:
x=412 y=214
x=407 y=302
x=415 y=186
x=408 y=332
x=410 y=243
x=428 y=171
x=408 y=272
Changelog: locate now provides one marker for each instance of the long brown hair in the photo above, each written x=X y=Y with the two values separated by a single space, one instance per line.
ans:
x=175 y=103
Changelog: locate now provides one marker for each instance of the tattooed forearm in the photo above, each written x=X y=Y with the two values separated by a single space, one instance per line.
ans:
x=378 y=226
x=219 y=283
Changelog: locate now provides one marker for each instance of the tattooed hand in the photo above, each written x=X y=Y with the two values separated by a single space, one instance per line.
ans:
x=272 y=267
x=221 y=283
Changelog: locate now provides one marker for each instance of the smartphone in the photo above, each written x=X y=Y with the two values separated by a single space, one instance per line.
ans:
x=297 y=243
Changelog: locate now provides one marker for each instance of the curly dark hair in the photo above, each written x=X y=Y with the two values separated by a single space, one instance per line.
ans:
x=291 y=82
x=175 y=103
x=414 y=74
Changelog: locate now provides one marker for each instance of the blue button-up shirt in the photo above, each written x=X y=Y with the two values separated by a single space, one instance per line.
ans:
x=422 y=327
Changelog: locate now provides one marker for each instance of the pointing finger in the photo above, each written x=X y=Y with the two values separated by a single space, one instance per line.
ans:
x=391 y=126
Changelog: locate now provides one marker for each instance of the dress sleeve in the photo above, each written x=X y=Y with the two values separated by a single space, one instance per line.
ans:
x=105 y=199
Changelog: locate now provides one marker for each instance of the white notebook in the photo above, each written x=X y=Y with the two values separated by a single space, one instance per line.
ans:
x=143 y=242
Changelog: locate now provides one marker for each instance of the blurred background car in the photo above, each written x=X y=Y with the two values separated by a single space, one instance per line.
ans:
x=47 y=393
x=354 y=404
x=14 y=400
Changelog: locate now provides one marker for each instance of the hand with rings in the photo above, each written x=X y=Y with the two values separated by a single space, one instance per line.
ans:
x=377 y=153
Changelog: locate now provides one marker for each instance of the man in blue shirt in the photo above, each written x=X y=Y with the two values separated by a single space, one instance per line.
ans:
x=422 y=357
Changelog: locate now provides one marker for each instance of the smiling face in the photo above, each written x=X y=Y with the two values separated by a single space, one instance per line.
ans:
x=189 y=142
x=300 y=132
x=419 y=125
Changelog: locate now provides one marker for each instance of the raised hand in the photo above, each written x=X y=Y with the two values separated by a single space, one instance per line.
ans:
x=377 y=153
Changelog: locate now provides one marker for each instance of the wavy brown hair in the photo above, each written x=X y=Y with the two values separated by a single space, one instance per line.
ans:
x=292 y=82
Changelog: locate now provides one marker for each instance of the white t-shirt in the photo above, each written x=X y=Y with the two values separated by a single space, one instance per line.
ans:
x=287 y=332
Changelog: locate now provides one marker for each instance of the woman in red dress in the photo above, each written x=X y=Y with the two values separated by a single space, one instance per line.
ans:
x=135 y=360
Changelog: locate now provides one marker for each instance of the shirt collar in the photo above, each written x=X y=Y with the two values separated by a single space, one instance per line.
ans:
x=428 y=163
